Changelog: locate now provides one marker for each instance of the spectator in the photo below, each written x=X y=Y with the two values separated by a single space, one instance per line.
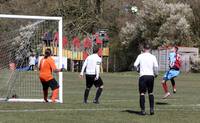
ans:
x=32 y=61
x=47 y=38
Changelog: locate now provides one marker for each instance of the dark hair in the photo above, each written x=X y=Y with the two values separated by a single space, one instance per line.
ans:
x=47 y=53
x=95 y=49
x=146 y=46
x=176 y=48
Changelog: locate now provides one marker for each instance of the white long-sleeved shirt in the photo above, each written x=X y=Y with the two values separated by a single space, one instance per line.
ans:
x=92 y=65
x=147 y=62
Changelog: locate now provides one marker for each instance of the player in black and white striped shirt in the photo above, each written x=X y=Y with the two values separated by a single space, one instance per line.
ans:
x=92 y=68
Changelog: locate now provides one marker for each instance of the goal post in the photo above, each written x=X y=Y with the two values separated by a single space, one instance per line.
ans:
x=17 y=44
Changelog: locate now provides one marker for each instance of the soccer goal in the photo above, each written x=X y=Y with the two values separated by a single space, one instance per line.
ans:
x=22 y=37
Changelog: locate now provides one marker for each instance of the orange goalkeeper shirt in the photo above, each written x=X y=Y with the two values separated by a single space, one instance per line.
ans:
x=47 y=66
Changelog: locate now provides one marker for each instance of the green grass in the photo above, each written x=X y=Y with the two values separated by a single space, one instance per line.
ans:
x=118 y=104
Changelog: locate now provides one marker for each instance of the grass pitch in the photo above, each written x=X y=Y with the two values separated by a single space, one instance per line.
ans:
x=119 y=103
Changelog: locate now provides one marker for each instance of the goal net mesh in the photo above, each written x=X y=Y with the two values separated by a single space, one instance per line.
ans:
x=20 y=39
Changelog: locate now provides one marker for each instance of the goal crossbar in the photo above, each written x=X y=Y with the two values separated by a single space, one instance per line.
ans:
x=30 y=17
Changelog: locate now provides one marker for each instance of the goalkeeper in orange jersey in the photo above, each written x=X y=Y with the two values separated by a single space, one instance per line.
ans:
x=47 y=67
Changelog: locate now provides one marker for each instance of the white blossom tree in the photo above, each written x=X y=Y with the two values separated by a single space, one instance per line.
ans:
x=161 y=24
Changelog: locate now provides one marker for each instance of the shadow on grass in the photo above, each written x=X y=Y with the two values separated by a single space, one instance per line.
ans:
x=132 y=112
x=162 y=103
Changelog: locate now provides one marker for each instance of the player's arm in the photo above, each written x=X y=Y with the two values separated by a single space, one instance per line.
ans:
x=83 y=67
x=155 y=67
x=136 y=64
x=97 y=69
x=58 y=70
x=171 y=64
x=39 y=63
x=53 y=67
x=171 y=60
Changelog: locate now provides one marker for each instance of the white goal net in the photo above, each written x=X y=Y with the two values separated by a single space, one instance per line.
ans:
x=23 y=40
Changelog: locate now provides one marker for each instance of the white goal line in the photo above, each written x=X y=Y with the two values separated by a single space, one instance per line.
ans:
x=92 y=109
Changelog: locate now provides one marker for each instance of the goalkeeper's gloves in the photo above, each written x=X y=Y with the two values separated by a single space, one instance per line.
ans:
x=63 y=70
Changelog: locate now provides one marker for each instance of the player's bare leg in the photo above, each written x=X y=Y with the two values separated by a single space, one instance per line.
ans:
x=173 y=85
x=54 y=95
x=165 y=88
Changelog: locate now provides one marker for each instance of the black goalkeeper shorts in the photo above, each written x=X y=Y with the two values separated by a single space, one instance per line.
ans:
x=53 y=84
x=90 y=81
